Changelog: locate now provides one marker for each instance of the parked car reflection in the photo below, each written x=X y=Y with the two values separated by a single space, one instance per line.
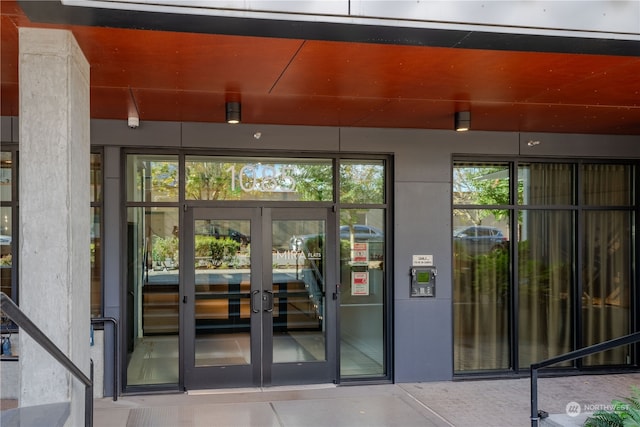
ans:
x=478 y=239
x=361 y=233
x=221 y=231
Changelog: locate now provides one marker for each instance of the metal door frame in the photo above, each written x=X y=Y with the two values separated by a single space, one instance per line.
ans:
x=261 y=371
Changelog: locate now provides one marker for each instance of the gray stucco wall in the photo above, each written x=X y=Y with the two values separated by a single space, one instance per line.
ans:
x=422 y=328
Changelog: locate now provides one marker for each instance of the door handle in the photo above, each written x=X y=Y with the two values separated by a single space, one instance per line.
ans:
x=268 y=297
x=254 y=305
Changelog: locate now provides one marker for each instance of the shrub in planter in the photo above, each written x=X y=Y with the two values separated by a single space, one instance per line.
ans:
x=217 y=250
x=624 y=413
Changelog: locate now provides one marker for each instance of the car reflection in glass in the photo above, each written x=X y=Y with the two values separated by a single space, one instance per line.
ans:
x=221 y=232
x=478 y=239
x=361 y=233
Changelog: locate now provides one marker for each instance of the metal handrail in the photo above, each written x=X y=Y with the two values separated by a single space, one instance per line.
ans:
x=19 y=318
x=572 y=355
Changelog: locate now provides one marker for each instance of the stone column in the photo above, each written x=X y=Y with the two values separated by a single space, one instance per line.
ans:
x=54 y=263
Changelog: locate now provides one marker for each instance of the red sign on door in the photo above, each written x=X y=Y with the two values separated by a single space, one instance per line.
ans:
x=360 y=283
x=360 y=254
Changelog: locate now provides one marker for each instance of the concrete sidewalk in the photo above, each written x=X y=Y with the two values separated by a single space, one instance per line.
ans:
x=491 y=403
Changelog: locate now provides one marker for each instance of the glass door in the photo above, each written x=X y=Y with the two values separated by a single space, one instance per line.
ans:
x=302 y=280
x=254 y=303
x=220 y=281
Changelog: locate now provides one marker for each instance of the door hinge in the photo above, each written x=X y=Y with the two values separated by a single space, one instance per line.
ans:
x=184 y=299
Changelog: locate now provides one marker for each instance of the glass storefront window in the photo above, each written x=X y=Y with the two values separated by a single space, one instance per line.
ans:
x=152 y=178
x=6 y=179
x=7 y=240
x=96 y=177
x=96 y=263
x=362 y=181
x=228 y=178
x=6 y=251
x=482 y=289
x=545 y=273
x=481 y=184
x=573 y=222
x=607 y=185
x=606 y=282
x=362 y=297
x=545 y=184
x=153 y=237
x=152 y=295
x=96 y=234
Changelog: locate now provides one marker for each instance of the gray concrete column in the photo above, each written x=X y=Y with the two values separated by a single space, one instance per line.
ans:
x=54 y=268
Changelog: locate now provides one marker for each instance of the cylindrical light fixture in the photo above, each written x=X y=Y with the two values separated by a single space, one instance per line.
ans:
x=233 y=112
x=463 y=121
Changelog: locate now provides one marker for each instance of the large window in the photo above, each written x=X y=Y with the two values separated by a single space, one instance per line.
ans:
x=482 y=284
x=8 y=214
x=362 y=269
x=546 y=257
x=96 y=235
x=9 y=226
x=606 y=265
x=543 y=262
x=258 y=178
x=152 y=269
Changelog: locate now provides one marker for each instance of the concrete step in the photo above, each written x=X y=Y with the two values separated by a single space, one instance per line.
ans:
x=51 y=415
x=564 y=420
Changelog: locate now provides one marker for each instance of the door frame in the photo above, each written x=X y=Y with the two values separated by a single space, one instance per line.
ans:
x=211 y=376
x=261 y=371
x=307 y=372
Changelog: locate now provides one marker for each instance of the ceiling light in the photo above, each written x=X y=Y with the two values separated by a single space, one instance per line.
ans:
x=133 y=121
x=462 y=121
x=233 y=112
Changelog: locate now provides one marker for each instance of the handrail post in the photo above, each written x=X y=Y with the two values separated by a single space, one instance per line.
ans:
x=534 y=397
x=88 y=399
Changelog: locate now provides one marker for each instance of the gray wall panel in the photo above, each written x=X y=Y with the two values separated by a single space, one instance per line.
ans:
x=498 y=143
x=425 y=155
x=6 y=129
x=15 y=126
x=422 y=227
x=423 y=350
x=413 y=150
x=423 y=341
x=117 y=132
x=578 y=145
x=243 y=137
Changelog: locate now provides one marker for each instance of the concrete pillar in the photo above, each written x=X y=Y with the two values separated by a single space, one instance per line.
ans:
x=54 y=269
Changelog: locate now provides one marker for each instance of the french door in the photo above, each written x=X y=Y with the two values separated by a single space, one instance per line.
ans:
x=259 y=297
